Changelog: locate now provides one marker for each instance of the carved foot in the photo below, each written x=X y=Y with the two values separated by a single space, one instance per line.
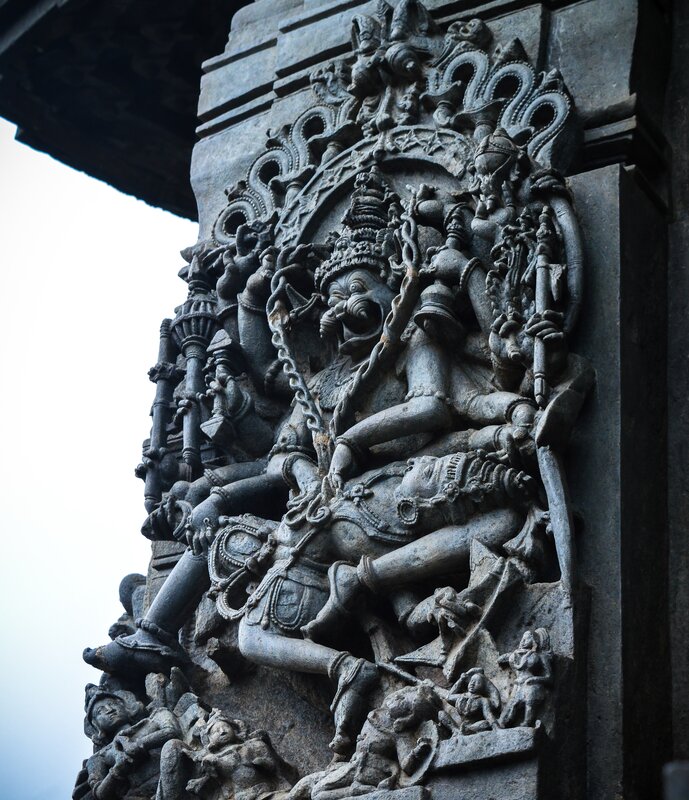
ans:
x=344 y=589
x=355 y=679
x=141 y=653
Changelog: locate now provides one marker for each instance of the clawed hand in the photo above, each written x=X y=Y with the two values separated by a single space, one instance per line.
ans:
x=504 y=337
x=507 y=325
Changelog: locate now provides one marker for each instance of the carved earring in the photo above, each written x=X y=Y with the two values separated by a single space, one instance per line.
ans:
x=408 y=511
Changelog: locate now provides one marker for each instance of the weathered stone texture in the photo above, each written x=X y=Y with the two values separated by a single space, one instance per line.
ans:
x=390 y=266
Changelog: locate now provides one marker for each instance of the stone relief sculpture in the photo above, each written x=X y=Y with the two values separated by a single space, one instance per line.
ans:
x=532 y=665
x=224 y=759
x=477 y=702
x=360 y=420
x=128 y=736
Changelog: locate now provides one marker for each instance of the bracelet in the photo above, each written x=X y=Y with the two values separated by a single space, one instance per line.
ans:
x=212 y=478
x=366 y=574
x=287 y=470
x=222 y=492
x=469 y=267
x=497 y=437
x=412 y=393
x=286 y=447
x=518 y=402
x=247 y=306
x=360 y=453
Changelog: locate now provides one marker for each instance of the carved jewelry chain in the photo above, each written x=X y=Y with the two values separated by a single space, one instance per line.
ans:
x=393 y=328
x=314 y=422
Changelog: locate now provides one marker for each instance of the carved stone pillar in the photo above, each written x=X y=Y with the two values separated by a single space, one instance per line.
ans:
x=437 y=532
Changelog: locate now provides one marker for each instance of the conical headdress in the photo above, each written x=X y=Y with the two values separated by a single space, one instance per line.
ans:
x=366 y=241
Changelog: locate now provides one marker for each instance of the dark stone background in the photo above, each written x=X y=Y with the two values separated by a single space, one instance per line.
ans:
x=111 y=87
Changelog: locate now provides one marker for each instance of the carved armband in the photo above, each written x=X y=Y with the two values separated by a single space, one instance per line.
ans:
x=360 y=453
x=469 y=267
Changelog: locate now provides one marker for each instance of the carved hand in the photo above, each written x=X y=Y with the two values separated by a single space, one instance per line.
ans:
x=504 y=338
x=546 y=326
x=210 y=764
x=135 y=750
x=200 y=534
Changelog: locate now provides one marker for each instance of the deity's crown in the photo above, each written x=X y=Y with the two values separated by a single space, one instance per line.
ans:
x=366 y=241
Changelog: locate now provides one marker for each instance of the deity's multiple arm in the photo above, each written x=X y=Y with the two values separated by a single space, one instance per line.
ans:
x=254 y=333
x=423 y=349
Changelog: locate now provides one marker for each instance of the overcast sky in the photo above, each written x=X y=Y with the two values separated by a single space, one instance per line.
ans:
x=87 y=275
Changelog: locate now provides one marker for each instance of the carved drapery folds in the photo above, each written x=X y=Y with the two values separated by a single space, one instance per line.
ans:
x=360 y=418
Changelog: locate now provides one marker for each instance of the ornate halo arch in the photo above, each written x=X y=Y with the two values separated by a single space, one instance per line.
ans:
x=412 y=154
x=462 y=90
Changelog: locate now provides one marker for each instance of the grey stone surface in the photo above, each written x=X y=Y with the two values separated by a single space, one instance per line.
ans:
x=486 y=747
x=676 y=780
x=406 y=490
x=623 y=565
x=510 y=781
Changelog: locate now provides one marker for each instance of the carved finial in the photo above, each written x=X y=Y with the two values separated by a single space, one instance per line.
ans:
x=366 y=240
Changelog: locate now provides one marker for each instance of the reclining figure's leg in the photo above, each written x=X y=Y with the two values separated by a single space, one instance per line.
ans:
x=154 y=646
x=436 y=553
x=354 y=677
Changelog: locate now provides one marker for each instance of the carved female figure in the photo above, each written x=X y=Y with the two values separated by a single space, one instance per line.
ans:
x=477 y=701
x=532 y=663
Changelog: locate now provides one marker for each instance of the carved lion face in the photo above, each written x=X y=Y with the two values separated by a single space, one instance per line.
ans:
x=358 y=302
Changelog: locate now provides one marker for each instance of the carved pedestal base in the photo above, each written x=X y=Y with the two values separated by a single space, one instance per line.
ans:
x=516 y=780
